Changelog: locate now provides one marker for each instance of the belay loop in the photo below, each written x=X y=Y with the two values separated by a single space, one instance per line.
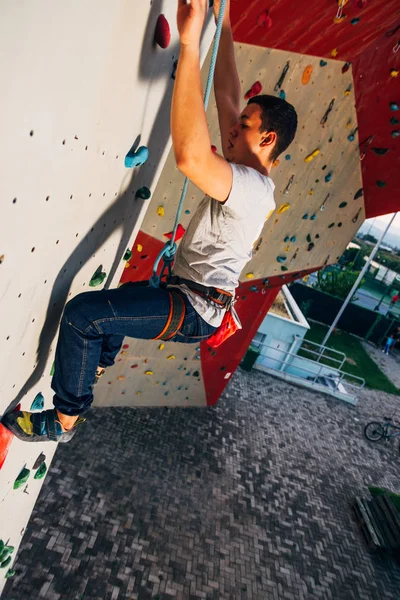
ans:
x=167 y=254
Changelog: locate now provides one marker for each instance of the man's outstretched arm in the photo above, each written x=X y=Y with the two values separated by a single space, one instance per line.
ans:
x=226 y=79
x=189 y=130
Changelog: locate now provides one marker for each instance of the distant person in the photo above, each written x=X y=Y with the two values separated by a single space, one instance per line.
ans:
x=394 y=300
x=389 y=342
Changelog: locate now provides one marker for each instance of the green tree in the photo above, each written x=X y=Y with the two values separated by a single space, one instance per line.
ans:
x=336 y=283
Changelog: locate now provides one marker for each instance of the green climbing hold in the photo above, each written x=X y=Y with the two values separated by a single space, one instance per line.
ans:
x=38 y=403
x=10 y=573
x=308 y=238
x=22 y=478
x=53 y=368
x=281 y=259
x=342 y=204
x=5 y=564
x=380 y=183
x=143 y=193
x=98 y=277
x=41 y=472
x=293 y=238
x=127 y=255
x=331 y=225
x=284 y=268
x=6 y=553
x=358 y=194
x=322 y=63
x=394 y=121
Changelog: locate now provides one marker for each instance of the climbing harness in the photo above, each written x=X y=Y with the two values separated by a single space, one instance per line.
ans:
x=177 y=311
x=167 y=254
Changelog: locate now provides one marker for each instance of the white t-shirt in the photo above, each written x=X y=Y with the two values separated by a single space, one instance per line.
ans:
x=219 y=239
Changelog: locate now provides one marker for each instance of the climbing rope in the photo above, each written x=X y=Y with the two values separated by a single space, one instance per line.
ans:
x=167 y=254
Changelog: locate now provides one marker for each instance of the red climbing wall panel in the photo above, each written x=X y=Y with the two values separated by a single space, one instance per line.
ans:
x=308 y=28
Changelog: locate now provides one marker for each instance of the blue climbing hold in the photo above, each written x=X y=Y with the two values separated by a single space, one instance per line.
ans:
x=394 y=106
x=395 y=134
x=187 y=212
x=322 y=63
x=281 y=259
x=282 y=95
x=293 y=238
x=254 y=288
x=355 y=20
x=38 y=403
x=313 y=217
x=328 y=177
x=305 y=216
x=136 y=158
x=288 y=157
x=287 y=239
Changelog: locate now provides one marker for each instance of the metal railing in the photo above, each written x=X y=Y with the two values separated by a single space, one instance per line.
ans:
x=337 y=377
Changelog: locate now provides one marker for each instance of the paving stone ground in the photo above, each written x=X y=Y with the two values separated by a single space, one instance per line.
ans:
x=249 y=500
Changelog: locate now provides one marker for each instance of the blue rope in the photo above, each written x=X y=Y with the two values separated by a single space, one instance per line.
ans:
x=167 y=254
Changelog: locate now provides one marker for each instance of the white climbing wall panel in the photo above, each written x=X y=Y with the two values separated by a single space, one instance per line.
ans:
x=80 y=82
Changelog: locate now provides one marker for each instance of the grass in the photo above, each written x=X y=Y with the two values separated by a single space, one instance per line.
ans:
x=364 y=366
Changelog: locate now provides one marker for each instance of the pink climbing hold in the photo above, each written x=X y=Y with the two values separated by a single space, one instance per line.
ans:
x=162 y=35
x=264 y=20
x=213 y=148
x=180 y=232
x=253 y=91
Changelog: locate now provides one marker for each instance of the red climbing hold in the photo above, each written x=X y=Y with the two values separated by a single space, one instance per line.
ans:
x=125 y=346
x=162 y=34
x=213 y=148
x=253 y=91
x=5 y=440
x=264 y=20
x=180 y=232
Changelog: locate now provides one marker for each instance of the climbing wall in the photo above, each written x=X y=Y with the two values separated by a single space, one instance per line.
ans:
x=83 y=83
x=319 y=208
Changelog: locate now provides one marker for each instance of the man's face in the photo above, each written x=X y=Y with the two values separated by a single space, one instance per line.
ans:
x=245 y=137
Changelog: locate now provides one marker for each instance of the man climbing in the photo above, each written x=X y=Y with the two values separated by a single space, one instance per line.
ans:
x=217 y=244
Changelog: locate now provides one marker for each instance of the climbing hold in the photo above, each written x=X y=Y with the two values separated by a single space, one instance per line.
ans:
x=305 y=216
x=293 y=238
x=124 y=352
x=5 y=563
x=310 y=246
x=283 y=208
x=171 y=357
x=139 y=247
x=287 y=157
x=41 y=472
x=250 y=276
x=289 y=185
x=143 y=193
x=38 y=403
x=317 y=236
x=381 y=183
x=255 y=89
x=306 y=75
x=284 y=268
x=121 y=377
x=279 y=83
x=393 y=106
x=331 y=225
x=276 y=162
x=160 y=211
x=355 y=20
x=196 y=374
x=134 y=366
x=98 y=277
x=148 y=373
x=187 y=212
x=358 y=194
x=174 y=68
x=342 y=204
x=254 y=288
x=313 y=217
x=308 y=238
x=22 y=478
x=125 y=347
x=346 y=67
x=380 y=151
x=395 y=134
x=394 y=72
x=10 y=573
x=347 y=91
x=322 y=63
x=213 y=148
x=334 y=52
x=355 y=218
x=127 y=265
x=264 y=20
x=162 y=35
x=53 y=368
x=326 y=115
x=340 y=224
x=41 y=458
x=310 y=192
x=394 y=121
x=136 y=158
x=311 y=156
x=282 y=94
x=266 y=282
x=328 y=177
x=127 y=255
x=161 y=346
x=352 y=135
x=180 y=232
x=287 y=239
x=281 y=259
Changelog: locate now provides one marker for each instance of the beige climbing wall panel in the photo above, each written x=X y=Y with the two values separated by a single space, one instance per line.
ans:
x=81 y=82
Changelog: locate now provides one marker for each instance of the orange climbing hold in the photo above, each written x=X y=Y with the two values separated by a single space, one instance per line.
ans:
x=162 y=35
x=306 y=75
x=5 y=440
x=334 y=52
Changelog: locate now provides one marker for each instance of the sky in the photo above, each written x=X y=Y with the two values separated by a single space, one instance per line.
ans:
x=384 y=219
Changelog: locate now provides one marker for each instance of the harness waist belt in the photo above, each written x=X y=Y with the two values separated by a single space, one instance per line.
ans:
x=210 y=293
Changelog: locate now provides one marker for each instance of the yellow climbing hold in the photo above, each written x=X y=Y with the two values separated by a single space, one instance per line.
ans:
x=334 y=52
x=171 y=357
x=148 y=373
x=139 y=247
x=310 y=192
x=250 y=276
x=347 y=92
x=283 y=208
x=127 y=265
x=161 y=346
x=394 y=72
x=276 y=162
x=348 y=124
x=160 y=211
x=121 y=377
x=123 y=352
x=311 y=156
x=287 y=249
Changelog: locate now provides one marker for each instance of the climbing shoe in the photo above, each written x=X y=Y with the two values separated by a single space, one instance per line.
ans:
x=41 y=426
x=99 y=373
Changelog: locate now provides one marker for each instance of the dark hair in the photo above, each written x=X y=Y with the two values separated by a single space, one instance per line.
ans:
x=278 y=116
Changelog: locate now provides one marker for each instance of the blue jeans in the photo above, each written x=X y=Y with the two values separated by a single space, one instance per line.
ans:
x=92 y=330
